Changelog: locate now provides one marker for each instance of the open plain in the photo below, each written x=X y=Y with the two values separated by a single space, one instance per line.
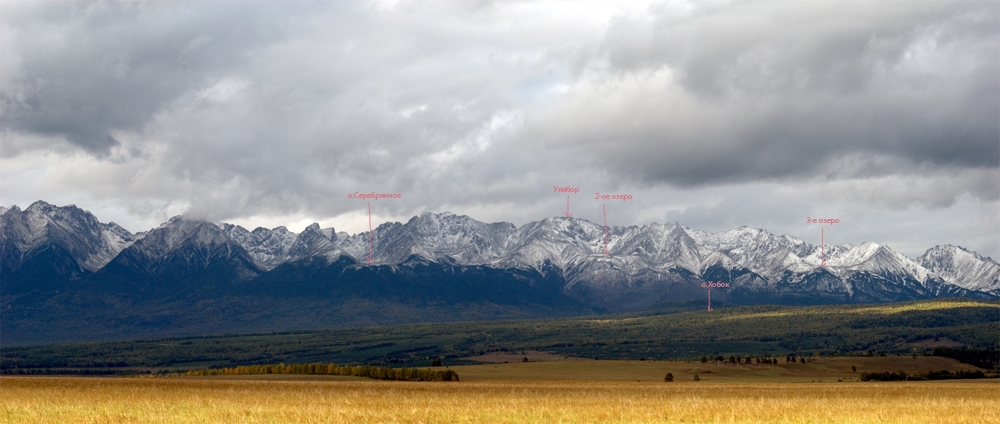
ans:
x=534 y=392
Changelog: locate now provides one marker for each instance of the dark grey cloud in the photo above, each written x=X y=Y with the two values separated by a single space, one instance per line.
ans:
x=763 y=90
x=86 y=69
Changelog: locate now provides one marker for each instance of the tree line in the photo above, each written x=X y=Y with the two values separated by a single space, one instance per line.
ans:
x=378 y=373
x=985 y=358
x=73 y=371
x=930 y=375
x=748 y=360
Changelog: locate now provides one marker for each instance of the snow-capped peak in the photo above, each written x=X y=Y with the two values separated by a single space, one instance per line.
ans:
x=177 y=231
x=963 y=268
x=90 y=242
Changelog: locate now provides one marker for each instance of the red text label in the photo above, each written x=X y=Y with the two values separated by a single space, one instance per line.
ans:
x=622 y=197
x=830 y=221
x=376 y=196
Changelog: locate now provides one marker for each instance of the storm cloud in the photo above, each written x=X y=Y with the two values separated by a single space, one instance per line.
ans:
x=715 y=114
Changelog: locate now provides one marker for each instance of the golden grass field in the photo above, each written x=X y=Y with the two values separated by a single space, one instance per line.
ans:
x=482 y=398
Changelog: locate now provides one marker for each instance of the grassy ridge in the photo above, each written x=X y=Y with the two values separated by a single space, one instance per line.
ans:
x=660 y=333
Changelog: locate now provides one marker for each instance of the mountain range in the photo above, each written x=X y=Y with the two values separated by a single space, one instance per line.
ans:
x=66 y=276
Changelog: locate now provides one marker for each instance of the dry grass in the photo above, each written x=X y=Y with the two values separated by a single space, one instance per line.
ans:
x=67 y=400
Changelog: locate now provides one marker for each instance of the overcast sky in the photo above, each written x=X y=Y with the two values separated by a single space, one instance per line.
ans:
x=884 y=115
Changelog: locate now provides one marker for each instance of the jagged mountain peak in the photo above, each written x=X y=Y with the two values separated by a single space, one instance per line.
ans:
x=561 y=241
x=757 y=249
x=272 y=247
x=314 y=230
x=238 y=233
x=434 y=216
x=658 y=245
x=852 y=255
x=267 y=247
x=870 y=257
x=262 y=230
x=952 y=251
x=963 y=267
x=385 y=226
x=432 y=235
x=179 y=232
x=666 y=225
x=745 y=239
x=429 y=223
x=40 y=206
x=565 y=227
x=90 y=243
x=174 y=220
x=203 y=256
x=313 y=241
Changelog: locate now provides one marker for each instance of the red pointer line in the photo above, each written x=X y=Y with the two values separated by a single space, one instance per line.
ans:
x=605 y=229
x=370 y=248
x=822 y=256
x=567 y=208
